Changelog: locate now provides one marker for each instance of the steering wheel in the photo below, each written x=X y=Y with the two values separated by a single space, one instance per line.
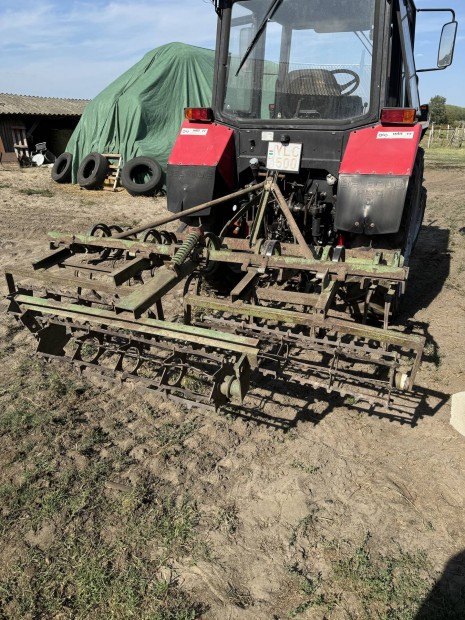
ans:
x=352 y=84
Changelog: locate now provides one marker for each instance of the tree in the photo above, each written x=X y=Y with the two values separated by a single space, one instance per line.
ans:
x=437 y=108
x=455 y=114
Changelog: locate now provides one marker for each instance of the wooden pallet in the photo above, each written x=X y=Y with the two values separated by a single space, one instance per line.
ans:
x=115 y=161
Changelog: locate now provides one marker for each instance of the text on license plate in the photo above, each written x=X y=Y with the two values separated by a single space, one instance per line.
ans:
x=284 y=157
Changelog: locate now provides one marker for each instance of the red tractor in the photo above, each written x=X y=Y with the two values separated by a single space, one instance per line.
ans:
x=326 y=93
x=300 y=196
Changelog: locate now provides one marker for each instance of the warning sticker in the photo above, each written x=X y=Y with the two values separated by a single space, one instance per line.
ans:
x=392 y=135
x=187 y=131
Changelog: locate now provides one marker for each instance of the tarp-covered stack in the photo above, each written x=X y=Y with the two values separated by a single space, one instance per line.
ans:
x=140 y=113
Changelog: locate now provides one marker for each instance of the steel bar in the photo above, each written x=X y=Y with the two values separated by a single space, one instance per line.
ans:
x=51 y=259
x=298 y=236
x=192 y=211
x=250 y=277
x=110 y=243
x=164 y=329
x=341 y=270
x=259 y=215
x=326 y=297
x=52 y=278
x=153 y=290
x=81 y=266
x=378 y=334
x=238 y=251
x=288 y=297
x=130 y=269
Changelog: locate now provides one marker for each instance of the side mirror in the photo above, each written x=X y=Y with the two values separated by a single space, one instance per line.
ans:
x=447 y=44
x=424 y=113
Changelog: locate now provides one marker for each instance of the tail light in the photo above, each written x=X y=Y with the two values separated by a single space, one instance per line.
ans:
x=203 y=115
x=398 y=116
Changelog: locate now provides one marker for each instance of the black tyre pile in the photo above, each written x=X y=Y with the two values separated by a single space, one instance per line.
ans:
x=140 y=176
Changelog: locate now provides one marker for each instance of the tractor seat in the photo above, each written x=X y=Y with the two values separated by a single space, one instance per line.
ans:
x=315 y=93
x=312 y=82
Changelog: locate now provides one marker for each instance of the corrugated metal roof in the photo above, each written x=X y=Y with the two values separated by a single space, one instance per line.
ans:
x=50 y=106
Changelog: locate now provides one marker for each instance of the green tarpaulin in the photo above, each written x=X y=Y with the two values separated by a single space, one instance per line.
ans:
x=140 y=113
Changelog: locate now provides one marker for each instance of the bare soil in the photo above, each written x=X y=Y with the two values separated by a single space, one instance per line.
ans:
x=118 y=504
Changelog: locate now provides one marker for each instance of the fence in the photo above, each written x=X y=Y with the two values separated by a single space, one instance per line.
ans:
x=446 y=135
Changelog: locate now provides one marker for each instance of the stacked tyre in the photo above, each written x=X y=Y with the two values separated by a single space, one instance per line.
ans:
x=141 y=176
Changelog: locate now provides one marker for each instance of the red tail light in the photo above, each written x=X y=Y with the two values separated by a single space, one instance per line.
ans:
x=398 y=116
x=203 y=115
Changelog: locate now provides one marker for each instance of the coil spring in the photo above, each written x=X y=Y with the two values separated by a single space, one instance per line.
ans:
x=186 y=248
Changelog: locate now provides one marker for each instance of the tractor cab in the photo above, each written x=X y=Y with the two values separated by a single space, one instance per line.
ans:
x=315 y=67
x=299 y=62
x=294 y=80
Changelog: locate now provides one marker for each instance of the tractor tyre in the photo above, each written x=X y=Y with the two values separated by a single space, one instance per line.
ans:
x=92 y=171
x=61 y=171
x=141 y=176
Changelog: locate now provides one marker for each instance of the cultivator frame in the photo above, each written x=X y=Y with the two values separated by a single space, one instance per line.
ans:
x=97 y=301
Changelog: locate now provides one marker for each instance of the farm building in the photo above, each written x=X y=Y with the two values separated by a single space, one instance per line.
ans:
x=26 y=121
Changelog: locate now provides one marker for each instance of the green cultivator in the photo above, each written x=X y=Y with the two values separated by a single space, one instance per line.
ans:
x=288 y=310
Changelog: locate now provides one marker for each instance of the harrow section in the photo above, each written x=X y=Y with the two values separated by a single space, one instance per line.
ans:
x=285 y=309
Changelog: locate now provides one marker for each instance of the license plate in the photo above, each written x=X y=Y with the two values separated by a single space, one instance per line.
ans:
x=284 y=157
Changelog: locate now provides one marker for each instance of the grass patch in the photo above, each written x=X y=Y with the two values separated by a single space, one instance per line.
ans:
x=386 y=587
x=77 y=539
x=441 y=157
x=365 y=584
x=92 y=440
x=170 y=434
x=303 y=527
x=87 y=578
x=162 y=520
x=308 y=469
x=32 y=396
x=86 y=573
x=30 y=191
x=309 y=590
x=227 y=519
x=7 y=345
x=44 y=492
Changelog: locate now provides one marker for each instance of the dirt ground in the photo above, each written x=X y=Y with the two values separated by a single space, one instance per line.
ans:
x=116 y=504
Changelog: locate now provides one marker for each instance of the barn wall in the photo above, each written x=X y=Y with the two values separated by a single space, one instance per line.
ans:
x=52 y=130
x=6 y=133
